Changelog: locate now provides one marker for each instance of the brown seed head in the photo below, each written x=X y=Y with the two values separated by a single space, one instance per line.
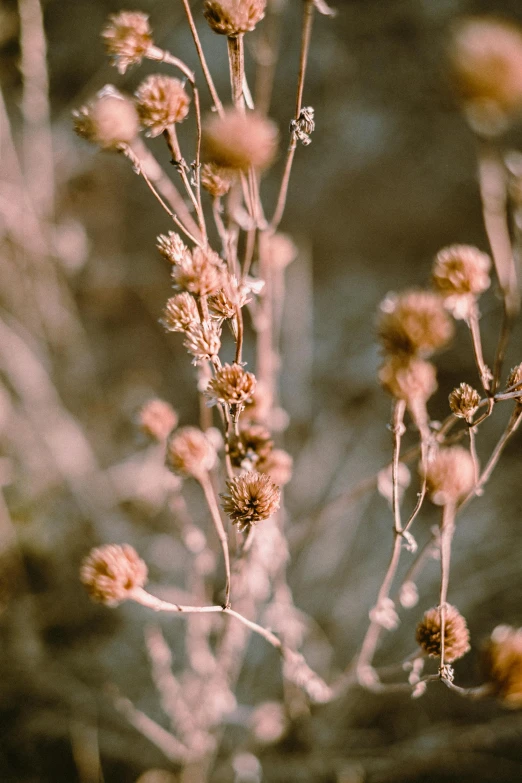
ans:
x=254 y=444
x=111 y=572
x=514 y=380
x=456 y=634
x=203 y=340
x=502 y=664
x=127 y=37
x=161 y=101
x=200 y=272
x=190 y=453
x=464 y=401
x=172 y=247
x=180 y=313
x=252 y=497
x=450 y=475
x=409 y=379
x=232 y=385
x=233 y=17
x=461 y=270
x=278 y=465
x=486 y=60
x=216 y=179
x=157 y=419
x=109 y=120
x=414 y=323
x=229 y=298
x=239 y=140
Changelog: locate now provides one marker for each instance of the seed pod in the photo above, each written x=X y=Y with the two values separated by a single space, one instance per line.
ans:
x=456 y=634
x=251 y=498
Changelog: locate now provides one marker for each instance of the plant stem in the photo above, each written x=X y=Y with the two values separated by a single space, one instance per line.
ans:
x=446 y=537
x=220 y=530
x=204 y=66
x=236 y=61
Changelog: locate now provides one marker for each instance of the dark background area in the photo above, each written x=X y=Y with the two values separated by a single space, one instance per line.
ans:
x=389 y=179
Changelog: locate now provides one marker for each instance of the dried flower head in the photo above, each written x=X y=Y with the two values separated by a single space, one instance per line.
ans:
x=161 y=101
x=461 y=269
x=190 y=453
x=486 y=60
x=199 y=272
x=172 y=247
x=180 y=313
x=203 y=340
x=464 y=401
x=229 y=298
x=110 y=573
x=414 y=323
x=514 y=381
x=127 y=37
x=450 y=475
x=278 y=465
x=157 y=419
x=281 y=250
x=232 y=385
x=409 y=379
x=502 y=664
x=239 y=140
x=233 y=17
x=456 y=634
x=216 y=179
x=254 y=445
x=251 y=497
x=109 y=120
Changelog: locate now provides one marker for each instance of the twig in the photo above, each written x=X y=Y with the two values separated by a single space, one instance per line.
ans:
x=220 y=530
x=446 y=537
x=204 y=66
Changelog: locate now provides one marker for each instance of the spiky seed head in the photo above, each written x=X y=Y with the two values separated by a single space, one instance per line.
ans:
x=161 y=101
x=190 y=453
x=514 y=380
x=414 y=323
x=456 y=634
x=502 y=664
x=216 y=180
x=464 y=401
x=180 y=313
x=238 y=140
x=203 y=340
x=127 y=37
x=233 y=17
x=409 y=379
x=450 y=475
x=232 y=385
x=157 y=419
x=278 y=464
x=109 y=120
x=486 y=62
x=110 y=573
x=251 y=498
x=254 y=445
x=199 y=272
x=461 y=269
x=231 y=296
x=172 y=247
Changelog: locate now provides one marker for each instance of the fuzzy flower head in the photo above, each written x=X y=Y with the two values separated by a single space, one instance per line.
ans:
x=190 y=453
x=464 y=401
x=110 y=120
x=253 y=445
x=203 y=340
x=514 y=381
x=180 y=313
x=161 y=101
x=232 y=296
x=502 y=664
x=239 y=140
x=110 y=573
x=199 y=272
x=216 y=180
x=414 y=323
x=232 y=385
x=460 y=275
x=409 y=379
x=486 y=61
x=128 y=38
x=450 y=475
x=251 y=498
x=157 y=419
x=172 y=247
x=456 y=634
x=233 y=17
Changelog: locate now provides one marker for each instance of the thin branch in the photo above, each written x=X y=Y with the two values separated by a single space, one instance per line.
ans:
x=204 y=66
x=220 y=530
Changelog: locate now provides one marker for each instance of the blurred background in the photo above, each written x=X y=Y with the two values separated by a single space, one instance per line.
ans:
x=389 y=179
